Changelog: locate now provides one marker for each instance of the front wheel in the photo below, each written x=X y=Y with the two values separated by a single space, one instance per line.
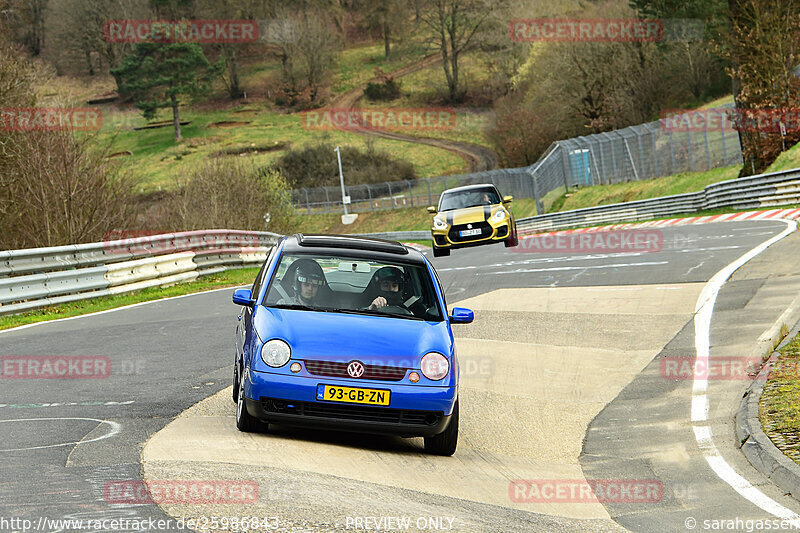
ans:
x=445 y=442
x=244 y=421
x=513 y=239
x=440 y=252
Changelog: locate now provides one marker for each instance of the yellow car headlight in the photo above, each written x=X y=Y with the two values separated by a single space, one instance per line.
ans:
x=498 y=216
x=439 y=223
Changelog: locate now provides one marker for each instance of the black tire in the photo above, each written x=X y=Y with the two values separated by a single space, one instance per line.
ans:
x=244 y=421
x=445 y=442
x=440 y=252
x=513 y=240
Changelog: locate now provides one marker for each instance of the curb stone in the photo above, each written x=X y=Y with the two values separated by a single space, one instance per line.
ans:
x=753 y=442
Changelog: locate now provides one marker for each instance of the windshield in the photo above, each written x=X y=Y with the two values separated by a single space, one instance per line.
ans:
x=468 y=198
x=350 y=285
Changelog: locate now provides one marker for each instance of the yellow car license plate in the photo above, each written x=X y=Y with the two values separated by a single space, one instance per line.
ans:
x=334 y=393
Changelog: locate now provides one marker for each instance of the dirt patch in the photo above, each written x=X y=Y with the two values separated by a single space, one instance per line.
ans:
x=119 y=154
x=228 y=124
x=253 y=149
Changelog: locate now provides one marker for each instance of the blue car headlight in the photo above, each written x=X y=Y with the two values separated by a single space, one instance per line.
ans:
x=275 y=353
x=434 y=366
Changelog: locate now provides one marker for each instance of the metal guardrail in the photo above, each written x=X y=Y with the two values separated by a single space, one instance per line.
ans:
x=764 y=190
x=38 y=277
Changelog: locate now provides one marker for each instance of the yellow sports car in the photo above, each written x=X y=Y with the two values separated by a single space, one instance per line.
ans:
x=470 y=216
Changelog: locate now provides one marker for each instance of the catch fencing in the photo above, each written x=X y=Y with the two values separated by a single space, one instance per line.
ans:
x=641 y=152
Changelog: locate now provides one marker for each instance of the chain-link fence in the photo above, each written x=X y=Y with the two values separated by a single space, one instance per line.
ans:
x=635 y=153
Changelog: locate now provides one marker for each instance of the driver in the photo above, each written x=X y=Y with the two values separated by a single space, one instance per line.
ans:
x=308 y=278
x=390 y=282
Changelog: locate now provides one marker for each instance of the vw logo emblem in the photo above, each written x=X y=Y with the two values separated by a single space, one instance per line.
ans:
x=469 y=226
x=355 y=369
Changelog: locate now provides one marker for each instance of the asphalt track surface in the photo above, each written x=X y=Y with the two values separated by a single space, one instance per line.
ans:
x=62 y=441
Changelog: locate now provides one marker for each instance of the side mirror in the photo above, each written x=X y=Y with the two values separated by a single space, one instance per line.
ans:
x=431 y=209
x=243 y=297
x=462 y=315
x=507 y=199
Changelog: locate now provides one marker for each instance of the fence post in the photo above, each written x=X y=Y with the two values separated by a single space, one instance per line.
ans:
x=564 y=167
x=308 y=204
x=391 y=200
x=655 y=153
x=671 y=153
x=430 y=198
x=641 y=153
x=708 y=154
x=410 y=192
x=539 y=206
x=689 y=148
x=327 y=199
x=722 y=136
x=371 y=203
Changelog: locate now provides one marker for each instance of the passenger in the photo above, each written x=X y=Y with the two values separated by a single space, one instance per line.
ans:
x=308 y=279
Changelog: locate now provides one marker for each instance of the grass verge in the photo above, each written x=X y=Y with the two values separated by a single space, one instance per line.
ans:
x=229 y=278
x=779 y=408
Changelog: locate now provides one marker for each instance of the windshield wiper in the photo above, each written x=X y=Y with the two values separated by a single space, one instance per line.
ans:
x=375 y=312
x=296 y=306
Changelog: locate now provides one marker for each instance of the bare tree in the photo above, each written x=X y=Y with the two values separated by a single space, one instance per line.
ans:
x=453 y=26
x=256 y=10
x=307 y=41
x=76 y=33
x=390 y=19
x=764 y=48
x=25 y=19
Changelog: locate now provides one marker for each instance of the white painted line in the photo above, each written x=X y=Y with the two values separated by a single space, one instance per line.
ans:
x=592 y=267
x=114 y=429
x=699 y=413
x=117 y=309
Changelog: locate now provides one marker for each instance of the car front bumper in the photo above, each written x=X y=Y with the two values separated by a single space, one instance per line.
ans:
x=443 y=238
x=413 y=411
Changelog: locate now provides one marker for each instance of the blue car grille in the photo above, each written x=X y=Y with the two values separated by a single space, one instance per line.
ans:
x=339 y=370
x=352 y=412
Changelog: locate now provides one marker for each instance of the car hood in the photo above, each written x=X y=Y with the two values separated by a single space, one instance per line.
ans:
x=467 y=215
x=341 y=337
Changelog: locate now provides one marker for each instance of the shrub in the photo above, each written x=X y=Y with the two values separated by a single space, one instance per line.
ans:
x=316 y=166
x=229 y=194
x=386 y=90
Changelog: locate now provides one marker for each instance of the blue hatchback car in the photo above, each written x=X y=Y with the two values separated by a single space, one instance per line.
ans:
x=348 y=333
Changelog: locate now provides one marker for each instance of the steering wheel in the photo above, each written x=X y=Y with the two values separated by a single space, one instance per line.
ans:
x=394 y=309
